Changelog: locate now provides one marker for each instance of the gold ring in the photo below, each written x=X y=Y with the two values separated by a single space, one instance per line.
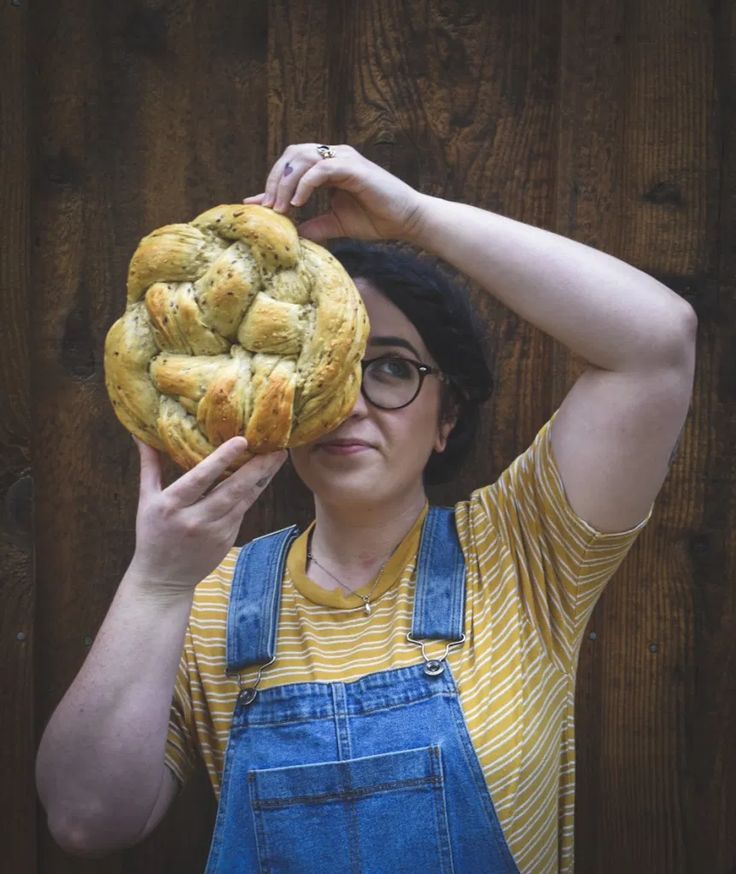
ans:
x=326 y=152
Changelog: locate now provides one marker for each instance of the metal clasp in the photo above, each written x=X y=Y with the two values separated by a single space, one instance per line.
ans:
x=434 y=667
x=248 y=694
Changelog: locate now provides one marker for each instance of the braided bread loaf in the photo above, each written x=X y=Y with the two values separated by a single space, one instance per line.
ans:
x=234 y=325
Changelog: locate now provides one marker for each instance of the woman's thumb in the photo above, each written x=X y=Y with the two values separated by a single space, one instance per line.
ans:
x=324 y=227
x=150 y=466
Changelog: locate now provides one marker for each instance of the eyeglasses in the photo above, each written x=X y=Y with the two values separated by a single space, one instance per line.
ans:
x=391 y=382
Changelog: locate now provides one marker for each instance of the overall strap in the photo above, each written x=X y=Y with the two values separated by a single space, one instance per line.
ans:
x=439 y=599
x=255 y=596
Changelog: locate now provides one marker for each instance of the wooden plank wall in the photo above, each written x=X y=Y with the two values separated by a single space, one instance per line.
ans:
x=608 y=121
x=17 y=595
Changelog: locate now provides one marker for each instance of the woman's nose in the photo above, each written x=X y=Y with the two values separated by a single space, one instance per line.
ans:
x=360 y=408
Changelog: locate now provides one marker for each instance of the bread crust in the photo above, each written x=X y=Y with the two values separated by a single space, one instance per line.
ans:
x=234 y=325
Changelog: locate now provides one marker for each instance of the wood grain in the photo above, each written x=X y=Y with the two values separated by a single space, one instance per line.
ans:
x=638 y=177
x=17 y=542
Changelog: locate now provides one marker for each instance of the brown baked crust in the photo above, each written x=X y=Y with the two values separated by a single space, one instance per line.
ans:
x=234 y=326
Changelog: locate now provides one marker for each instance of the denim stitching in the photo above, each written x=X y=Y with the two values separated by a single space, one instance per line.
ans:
x=426 y=573
x=442 y=825
x=269 y=617
x=231 y=642
x=259 y=828
x=347 y=794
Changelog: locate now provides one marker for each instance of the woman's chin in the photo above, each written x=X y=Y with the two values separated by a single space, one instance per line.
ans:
x=344 y=483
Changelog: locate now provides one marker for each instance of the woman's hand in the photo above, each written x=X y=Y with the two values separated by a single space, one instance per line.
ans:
x=184 y=531
x=366 y=201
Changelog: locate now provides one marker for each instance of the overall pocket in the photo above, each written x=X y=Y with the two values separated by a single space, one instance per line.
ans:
x=381 y=814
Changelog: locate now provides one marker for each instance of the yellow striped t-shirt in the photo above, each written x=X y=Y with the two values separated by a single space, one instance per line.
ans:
x=534 y=573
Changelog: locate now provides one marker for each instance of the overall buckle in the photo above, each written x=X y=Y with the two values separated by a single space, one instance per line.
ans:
x=434 y=667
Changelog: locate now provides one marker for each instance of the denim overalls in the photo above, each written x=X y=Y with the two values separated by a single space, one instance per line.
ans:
x=376 y=776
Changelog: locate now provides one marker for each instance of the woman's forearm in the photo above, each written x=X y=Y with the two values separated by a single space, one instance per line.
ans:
x=611 y=314
x=101 y=759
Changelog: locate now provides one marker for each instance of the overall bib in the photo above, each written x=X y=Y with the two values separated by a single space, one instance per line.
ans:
x=375 y=776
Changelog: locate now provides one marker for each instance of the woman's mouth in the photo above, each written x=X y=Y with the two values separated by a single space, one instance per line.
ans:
x=344 y=447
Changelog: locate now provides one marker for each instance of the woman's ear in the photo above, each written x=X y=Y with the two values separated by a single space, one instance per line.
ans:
x=444 y=430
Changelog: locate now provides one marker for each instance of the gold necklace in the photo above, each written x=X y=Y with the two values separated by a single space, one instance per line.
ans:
x=364 y=598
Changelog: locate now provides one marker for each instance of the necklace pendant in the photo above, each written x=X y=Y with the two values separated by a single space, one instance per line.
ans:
x=367 y=609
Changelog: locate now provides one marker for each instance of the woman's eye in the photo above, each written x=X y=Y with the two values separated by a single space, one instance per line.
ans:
x=395 y=367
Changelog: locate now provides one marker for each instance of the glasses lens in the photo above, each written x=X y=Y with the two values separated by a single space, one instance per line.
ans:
x=390 y=382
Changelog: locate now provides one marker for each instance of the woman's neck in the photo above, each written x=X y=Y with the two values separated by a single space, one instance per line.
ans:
x=357 y=541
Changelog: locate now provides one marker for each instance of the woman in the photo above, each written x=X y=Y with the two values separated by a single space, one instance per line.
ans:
x=393 y=688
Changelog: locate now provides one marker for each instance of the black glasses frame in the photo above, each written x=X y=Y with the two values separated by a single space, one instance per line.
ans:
x=424 y=371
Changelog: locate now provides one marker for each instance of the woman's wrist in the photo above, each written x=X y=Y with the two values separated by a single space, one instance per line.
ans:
x=422 y=229
x=156 y=592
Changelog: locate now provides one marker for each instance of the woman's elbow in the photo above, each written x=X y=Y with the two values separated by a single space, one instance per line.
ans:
x=78 y=839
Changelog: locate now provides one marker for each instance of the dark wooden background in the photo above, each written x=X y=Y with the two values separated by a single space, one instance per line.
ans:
x=610 y=121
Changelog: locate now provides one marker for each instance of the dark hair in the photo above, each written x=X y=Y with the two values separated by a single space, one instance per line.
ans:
x=439 y=307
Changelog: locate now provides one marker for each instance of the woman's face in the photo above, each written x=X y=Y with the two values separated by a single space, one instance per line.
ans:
x=400 y=442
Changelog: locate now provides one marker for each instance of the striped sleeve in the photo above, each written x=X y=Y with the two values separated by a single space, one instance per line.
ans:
x=560 y=562
x=180 y=751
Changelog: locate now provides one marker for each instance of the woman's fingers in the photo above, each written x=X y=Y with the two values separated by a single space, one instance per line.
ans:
x=190 y=487
x=277 y=172
x=293 y=171
x=286 y=173
x=243 y=486
x=299 y=172
x=326 y=172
